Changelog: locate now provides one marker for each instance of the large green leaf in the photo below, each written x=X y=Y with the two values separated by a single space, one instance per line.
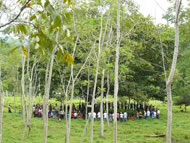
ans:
x=23 y=29
x=57 y=21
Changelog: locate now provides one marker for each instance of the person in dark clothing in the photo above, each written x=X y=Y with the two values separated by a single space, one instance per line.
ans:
x=79 y=106
x=121 y=105
x=118 y=105
x=125 y=105
x=50 y=107
x=109 y=105
x=9 y=109
x=131 y=107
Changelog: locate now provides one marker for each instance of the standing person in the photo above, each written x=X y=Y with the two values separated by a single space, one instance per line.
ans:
x=9 y=109
x=40 y=112
x=94 y=116
x=98 y=115
x=56 y=109
x=50 y=108
x=79 y=114
x=137 y=115
x=36 y=112
x=75 y=115
x=110 y=117
x=72 y=115
x=121 y=117
x=105 y=116
x=125 y=116
x=117 y=116
x=140 y=115
x=154 y=113
x=158 y=114
x=147 y=114
x=144 y=114
x=61 y=114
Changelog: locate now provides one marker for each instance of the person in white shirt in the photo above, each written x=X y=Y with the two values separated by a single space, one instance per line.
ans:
x=121 y=117
x=94 y=116
x=144 y=114
x=105 y=116
x=98 y=115
x=158 y=114
x=75 y=115
x=147 y=114
x=154 y=114
x=110 y=117
x=125 y=116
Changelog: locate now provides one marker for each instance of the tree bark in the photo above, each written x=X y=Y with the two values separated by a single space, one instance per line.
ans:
x=172 y=71
x=88 y=86
x=23 y=90
x=101 y=105
x=107 y=94
x=116 y=84
x=47 y=90
x=1 y=108
x=95 y=82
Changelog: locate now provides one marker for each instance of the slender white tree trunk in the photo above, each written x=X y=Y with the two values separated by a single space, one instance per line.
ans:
x=1 y=108
x=107 y=94
x=101 y=105
x=172 y=71
x=47 y=90
x=88 y=87
x=39 y=90
x=14 y=103
x=95 y=82
x=23 y=99
x=116 y=84
x=46 y=95
x=71 y=101
x=23 y=92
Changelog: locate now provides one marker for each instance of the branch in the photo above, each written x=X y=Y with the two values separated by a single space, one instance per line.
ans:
x=25 y=5
x=29 y=23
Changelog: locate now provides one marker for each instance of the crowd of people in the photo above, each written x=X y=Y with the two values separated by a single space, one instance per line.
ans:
x=131 y=112
x=146 y=112
x=124 y=116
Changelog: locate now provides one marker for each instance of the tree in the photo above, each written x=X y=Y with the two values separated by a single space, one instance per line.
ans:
x=172 y=71
x=116 y=84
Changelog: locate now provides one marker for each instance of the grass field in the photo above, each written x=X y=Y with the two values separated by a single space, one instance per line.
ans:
x=128 y=132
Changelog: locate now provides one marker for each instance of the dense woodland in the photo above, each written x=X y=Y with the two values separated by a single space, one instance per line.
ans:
x=66 y=49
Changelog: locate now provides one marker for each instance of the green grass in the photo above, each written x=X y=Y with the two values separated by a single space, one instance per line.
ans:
x=128 y=132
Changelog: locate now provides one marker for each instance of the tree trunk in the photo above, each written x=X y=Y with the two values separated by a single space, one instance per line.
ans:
x=39 y=90
x=171 y=75
x=46 y=95
x=107 y=94
x=88 y=86
x=14 y=103
x=95 y=82
x=101 y=105
x=23 y=93
x=116 y=84
x=1 y=106
x=70 y=109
